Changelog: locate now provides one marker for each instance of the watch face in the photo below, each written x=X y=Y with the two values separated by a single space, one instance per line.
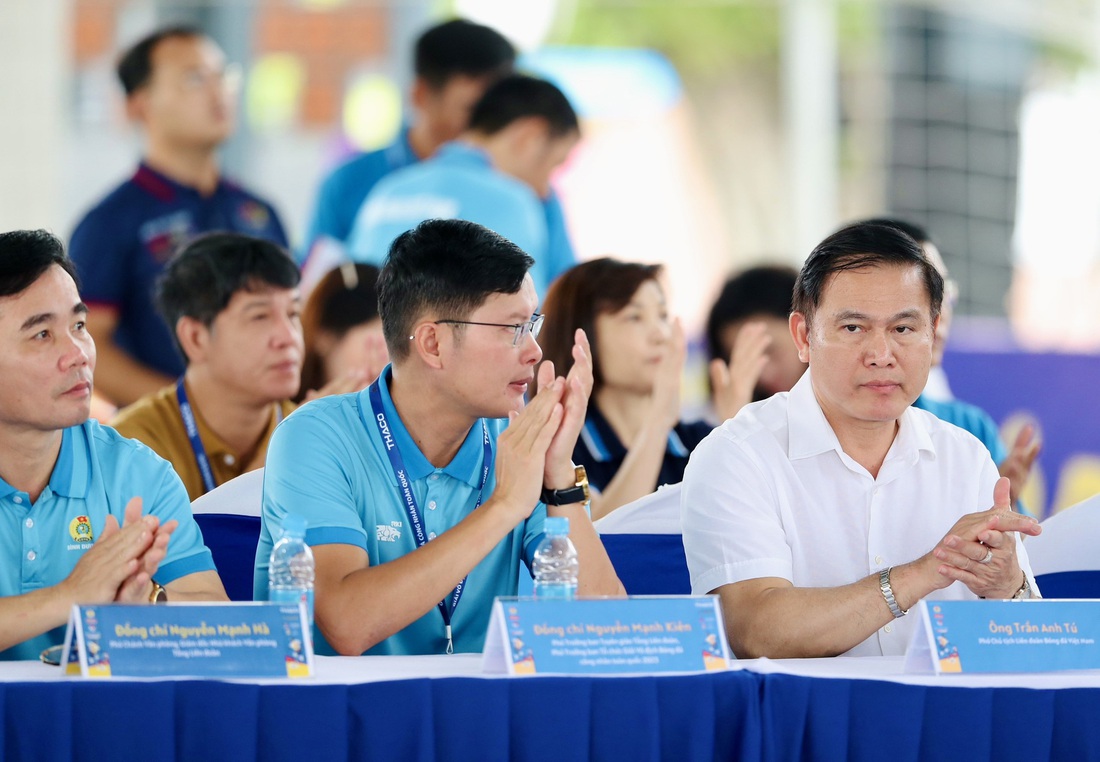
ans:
x=582 y=481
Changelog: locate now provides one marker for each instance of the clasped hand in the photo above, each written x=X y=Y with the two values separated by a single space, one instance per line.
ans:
x=980 y=551
x=536 y=449
x=121 y=564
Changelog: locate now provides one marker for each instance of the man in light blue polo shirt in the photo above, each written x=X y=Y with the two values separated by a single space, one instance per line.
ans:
x=497 y=175
x=453 y=62
x=67 y=483
x=422 y=498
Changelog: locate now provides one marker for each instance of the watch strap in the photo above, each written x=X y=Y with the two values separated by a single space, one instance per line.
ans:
x=888 y=593
x=563 y=496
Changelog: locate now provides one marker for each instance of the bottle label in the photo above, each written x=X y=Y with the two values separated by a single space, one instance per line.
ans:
x=555 y=591
x=292 y=595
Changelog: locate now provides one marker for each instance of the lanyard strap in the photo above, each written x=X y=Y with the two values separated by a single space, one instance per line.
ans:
x=408 y=499
x=192 y=428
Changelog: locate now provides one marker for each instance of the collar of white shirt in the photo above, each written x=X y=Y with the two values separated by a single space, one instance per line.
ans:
x=809 y=433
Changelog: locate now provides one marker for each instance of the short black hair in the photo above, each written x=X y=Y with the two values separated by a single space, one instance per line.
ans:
x=446 y=268
x=859 y=246
x=461 y=47
x=911 y=229
x=518 y=96
x=762 y=290
x=201 y=278
x=136 y=64
x=25 y=255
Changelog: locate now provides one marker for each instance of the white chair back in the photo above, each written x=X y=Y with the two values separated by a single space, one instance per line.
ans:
x=242 y=496
x=656 y=513
x=229 y=517
x=643 y=541
x=1070 y=540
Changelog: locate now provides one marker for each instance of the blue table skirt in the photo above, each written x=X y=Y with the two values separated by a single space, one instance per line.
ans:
x=806 y=718
x=707 y=716
x=732 y=715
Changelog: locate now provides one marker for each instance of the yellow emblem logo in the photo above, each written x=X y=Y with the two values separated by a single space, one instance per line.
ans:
x=80 y=529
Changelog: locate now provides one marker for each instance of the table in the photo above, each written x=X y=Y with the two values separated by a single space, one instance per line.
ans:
x=389 y=708
x=867 y=708
x=440 y=707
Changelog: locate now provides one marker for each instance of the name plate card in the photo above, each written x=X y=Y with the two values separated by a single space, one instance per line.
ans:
x=529 y=636
x=198 y=640
x=1005 y=636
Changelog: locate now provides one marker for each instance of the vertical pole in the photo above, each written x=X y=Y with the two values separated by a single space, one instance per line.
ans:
x=810 y=98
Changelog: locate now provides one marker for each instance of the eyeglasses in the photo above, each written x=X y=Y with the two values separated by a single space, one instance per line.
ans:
x=532 y=326
x=228 y=78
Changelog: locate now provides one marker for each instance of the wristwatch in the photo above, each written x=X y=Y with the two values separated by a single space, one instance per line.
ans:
x=1025 y=592
x=159 y=594
x=888 y=593
x=578 y=493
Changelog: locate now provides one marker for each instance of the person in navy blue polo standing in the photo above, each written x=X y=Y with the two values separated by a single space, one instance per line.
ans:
x=181 y=91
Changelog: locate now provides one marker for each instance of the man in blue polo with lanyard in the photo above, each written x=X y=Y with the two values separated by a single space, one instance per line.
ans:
x=422 y=492
x=453 y=64
x=497 y=175
x=87 y=516
x=180 y=89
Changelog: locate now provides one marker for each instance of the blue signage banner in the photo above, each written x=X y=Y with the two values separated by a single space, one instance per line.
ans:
x=529 y=636
x=1005 y=636
x=199 y=640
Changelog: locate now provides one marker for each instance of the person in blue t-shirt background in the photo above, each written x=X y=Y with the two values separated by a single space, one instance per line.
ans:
x=88 y=517
x=497 y=175
x=454 y=62
x=431 y=477
x=181 y=91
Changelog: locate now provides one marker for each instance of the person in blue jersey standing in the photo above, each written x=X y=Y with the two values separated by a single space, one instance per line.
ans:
x=181 y=91
x=454 y=62
x=497 y=175
x=88 y=517
x=425 y=491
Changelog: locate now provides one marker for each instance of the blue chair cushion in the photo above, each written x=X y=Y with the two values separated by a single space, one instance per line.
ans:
x=649 y=564
x=232 y=540
x=1069 y=584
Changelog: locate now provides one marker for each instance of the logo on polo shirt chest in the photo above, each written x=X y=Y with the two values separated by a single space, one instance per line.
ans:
x=253 y=215
x=388 y=532
x=161 y=236
x=80 y=529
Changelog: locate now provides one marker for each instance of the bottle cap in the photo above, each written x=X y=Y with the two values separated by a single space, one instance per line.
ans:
x=556 y=525
x=294 y=525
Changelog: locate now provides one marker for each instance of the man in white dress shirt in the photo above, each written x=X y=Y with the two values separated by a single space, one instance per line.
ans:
x=821 y=516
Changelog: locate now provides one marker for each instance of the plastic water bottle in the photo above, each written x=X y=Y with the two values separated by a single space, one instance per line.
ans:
x=290 y=571
x=555 y=565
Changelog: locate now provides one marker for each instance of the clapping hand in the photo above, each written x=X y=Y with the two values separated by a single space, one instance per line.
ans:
x=734 y=384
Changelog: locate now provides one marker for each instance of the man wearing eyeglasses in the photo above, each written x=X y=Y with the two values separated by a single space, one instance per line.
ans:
x=424 y=492
x=182 y=93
